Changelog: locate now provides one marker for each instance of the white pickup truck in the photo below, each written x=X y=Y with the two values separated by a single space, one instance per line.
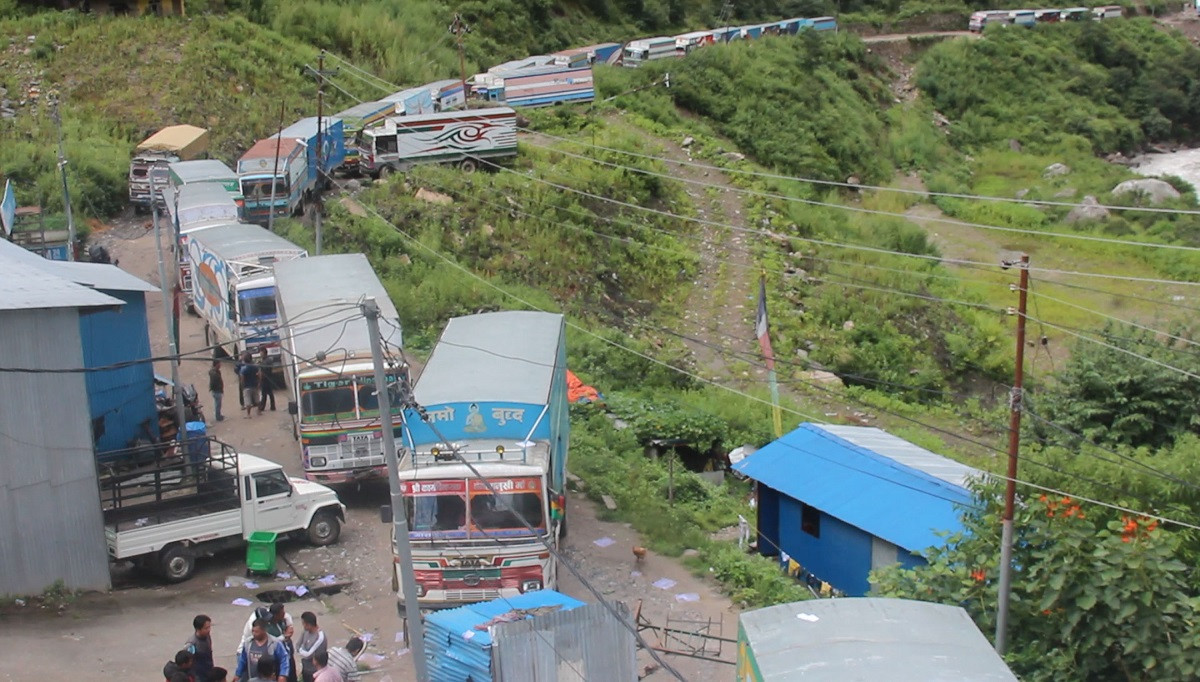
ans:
x=165 y=516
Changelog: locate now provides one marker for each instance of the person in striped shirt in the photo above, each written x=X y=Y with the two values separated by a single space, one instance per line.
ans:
x=344 y=660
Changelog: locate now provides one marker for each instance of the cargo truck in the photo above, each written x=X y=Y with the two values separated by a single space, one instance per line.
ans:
x=412 y=102
x=457 y=137
x=495 y=394
x=163 y=516
x=329 y=368
x=639 y=51
x=233 y=286
x=171 y=144
x=538 y=86
x=357 y=118
x=203 y=172
x=196 y=207
x=322 y=160
x=273 y=176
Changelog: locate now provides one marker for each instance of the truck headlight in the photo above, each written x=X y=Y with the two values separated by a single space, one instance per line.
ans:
x=530 y=586
x=317 y=462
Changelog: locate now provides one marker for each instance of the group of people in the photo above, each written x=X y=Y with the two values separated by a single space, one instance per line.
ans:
x=267 y=652
x=256 y=385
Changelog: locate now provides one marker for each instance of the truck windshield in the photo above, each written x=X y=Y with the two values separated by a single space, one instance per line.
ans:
x=323 y=400
x=256 y=305
x=368 y=401
x=383 y=144
x=260 y=190
x=456 y=508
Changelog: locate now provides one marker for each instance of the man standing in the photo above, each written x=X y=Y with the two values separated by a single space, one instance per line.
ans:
x=199 y=645
x=259 y=646
x=216 y=386
x=180 y=669
x=324 y=671
x=278 y=622
x=249 y=374
x=280 y=626
x=312 y=642
x=268 y=384
x=237 y=372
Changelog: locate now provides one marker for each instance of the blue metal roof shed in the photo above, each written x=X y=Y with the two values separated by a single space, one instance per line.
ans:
x=841 y=500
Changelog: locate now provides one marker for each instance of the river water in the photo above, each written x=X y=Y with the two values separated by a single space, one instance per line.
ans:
x=1184 y=163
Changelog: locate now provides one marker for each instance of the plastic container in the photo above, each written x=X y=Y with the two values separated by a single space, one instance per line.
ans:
x=260 y=553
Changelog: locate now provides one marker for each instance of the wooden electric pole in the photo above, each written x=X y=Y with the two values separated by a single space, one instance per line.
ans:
x=1014 y=446
x=460 y=28
x=320 y=73
x=62 y=168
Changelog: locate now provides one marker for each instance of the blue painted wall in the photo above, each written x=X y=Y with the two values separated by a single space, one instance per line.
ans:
x=123 y=398
x=841 y=555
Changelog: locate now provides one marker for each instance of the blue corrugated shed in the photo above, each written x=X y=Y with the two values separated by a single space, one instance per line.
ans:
x=874 y=492
x=122 y=399
x=457 y=651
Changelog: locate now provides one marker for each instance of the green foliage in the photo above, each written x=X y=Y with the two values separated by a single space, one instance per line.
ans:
x=1111 y=396
x=222 y=73
x=611 y=462
x=806 y=104
x=1114 y=84
x=1094 y=596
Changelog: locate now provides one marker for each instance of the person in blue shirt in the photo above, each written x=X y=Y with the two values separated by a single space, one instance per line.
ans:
x=260 y=645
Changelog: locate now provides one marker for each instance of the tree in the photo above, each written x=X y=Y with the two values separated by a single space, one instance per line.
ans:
x=1111 y=396
x=1095 y=596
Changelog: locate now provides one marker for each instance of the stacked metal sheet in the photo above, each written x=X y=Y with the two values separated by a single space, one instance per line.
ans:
x=458 y=642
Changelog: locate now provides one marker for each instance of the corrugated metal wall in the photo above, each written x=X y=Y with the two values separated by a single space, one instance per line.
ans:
x=586 y=643
x=51 y=527
x=122 y=400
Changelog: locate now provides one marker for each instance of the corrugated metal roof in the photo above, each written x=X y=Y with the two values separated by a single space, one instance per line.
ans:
x=24 y=286
x=908 y=454
x=266 y=148
x=198 y=194
x=92 y=275
x=505 y=356
x=365 y=109
x=238 y=241
x=870 y=639
x=871 y=491
x=457 y=650
x=306 y=128
x=309 y=290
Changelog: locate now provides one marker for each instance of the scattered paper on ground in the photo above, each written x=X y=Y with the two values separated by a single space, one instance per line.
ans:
x=604 y=542
x=242 y=602
x=687 y=596
x=664 y=583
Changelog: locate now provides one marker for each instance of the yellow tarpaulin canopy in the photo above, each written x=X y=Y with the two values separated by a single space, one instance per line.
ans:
x=186 y=141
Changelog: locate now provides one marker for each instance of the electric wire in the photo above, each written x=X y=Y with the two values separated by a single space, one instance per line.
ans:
x=878 y=188
x=1085 y=337
x=1106 y=316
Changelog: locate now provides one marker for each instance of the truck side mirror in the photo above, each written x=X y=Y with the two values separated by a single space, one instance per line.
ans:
x=293 y=408
x=385 y=513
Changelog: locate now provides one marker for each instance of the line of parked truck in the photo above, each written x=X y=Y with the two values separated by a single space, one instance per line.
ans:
x=1029 y=17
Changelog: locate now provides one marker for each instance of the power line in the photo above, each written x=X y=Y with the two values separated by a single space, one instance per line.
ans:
x=879 y=188
x=1126 y=351
x=1118 y=319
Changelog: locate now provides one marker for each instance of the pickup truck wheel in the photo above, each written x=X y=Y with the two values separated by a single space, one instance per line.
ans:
x=176 y=563
x=324 y=529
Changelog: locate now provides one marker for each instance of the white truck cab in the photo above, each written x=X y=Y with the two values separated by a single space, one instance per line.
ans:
x=165 y=516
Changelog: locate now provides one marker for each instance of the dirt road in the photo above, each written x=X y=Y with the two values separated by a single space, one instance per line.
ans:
x=130 y=632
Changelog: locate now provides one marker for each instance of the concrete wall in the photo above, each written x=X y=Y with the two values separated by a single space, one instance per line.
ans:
x=51 y=527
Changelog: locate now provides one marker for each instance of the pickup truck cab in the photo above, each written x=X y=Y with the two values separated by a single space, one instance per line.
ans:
x=166 y=517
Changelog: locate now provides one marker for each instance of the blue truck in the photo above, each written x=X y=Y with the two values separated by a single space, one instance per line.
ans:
x=333 y=143
x=283 y=173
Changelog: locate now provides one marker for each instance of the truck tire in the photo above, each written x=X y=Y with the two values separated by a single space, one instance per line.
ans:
x=176 y=563
x=468 y=165
x=384 y=172
x=324 y=529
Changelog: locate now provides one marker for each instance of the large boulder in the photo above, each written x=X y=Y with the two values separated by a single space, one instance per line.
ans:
x=1056 y=169
x=1156 y=190
x=1089 y=209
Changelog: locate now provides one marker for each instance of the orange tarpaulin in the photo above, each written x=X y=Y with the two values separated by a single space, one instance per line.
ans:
x=578 y=392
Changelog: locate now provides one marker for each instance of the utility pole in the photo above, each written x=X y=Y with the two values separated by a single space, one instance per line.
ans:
x=275 y=172
x=320 y=73
x=62 y=168
x=408 y=582
x=164 y=287
x=460 y=28
x=1014 y=445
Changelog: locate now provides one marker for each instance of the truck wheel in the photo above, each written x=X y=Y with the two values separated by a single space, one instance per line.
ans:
x=468 y=165
x=176 y=563
x=385 y=172
x=324 y=529
x=562 y=530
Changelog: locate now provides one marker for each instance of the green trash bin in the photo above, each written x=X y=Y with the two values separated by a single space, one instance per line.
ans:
x=260 y=553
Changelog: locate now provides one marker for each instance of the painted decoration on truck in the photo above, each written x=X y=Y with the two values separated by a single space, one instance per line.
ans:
x=463 y=136
x=209 y=283
x=467 y=421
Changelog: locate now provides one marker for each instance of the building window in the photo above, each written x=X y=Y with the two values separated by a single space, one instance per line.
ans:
x=810 y=520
